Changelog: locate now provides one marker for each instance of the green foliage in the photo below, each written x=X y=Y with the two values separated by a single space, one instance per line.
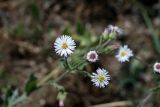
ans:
x=84 y=36
x=149 y=24
x=61 y=95
x=127 y=83
x=34 y=10
x=80 y=28
x=156 y=89
x=20 y=29
x=31 y=85
x=12 y=98
x=154 y=34
x=66 y=31
x=136 y=68
x=36 y=33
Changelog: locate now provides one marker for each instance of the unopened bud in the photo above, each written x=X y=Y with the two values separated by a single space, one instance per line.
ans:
x=61 y=103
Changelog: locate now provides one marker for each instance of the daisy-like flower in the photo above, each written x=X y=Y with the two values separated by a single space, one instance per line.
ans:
x=92 y=56
x=124 y=53
x=64 y=45
x=101 y=78
x=115 y=29
x=156 y=67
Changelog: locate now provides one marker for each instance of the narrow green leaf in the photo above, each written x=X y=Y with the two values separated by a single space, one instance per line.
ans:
x=31 y=85
x=135 y=68
x=7 y=96
x=66 y=31
x=81 y=29
x=35 y=12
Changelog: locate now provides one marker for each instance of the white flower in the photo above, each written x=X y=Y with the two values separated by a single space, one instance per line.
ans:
x=92 y=56
x=124 y=53
x=101 y=78
x=156 y=67
x=112 y=28
x=64 y=45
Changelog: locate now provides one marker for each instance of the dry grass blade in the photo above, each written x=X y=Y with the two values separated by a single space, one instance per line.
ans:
x=115 y=104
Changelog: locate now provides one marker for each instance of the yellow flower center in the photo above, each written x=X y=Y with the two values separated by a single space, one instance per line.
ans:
x=123 y=53
x=101 y=78
x=64 y=45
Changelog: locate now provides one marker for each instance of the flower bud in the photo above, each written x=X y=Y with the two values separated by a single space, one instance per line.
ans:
x=61 y=97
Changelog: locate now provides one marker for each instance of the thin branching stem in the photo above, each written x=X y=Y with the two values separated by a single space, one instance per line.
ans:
x=79 y=64
x=106 y=43
x=61 y=77
x=145 y=99
x=100 y=42
x=47 y=77
x=103 y=45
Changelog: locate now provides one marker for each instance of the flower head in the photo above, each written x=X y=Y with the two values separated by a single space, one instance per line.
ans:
x=124 y=53
x=101 y=78
x=61 y=103
x=64 y=45
x=111 y=29
x=92 y=56
x=156 y=67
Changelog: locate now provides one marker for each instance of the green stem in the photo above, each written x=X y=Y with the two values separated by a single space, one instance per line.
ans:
x=145 y=99
x=47 y=77
x=79 y=64
x=103 y=45
x=100 y=42
x=61 y=77
x=84 y=72
x=151 y=92
x=67 y=63
x=106 y=43
x=155 y=89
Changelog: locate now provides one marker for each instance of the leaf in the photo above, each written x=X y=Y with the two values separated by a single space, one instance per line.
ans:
x=7 y=96
x=80 y=28
x=12 y=97
x=135 y=68
x=62 y=94
x=35 y=12
x=20 y=29
x=149 y=24
x=66 y=31
x=31 y=85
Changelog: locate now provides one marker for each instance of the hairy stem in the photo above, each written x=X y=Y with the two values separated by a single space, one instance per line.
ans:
x=67 y=63
x=47 y=77
x=61 y=77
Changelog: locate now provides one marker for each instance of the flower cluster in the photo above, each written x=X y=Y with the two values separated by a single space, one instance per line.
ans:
x=112 y=28
x=65 y=45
